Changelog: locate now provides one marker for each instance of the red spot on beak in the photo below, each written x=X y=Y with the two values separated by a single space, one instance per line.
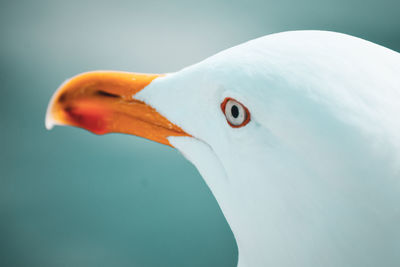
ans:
x=89 y=117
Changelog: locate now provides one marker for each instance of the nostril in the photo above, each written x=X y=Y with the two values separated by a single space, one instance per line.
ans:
x=107 y=94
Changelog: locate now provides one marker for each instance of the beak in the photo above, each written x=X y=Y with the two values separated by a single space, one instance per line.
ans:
x=102 y=102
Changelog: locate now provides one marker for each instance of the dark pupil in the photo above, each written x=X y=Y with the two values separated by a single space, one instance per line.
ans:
x=235 y=111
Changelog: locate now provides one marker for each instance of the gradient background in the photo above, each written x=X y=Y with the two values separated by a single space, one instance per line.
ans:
x=70 y=198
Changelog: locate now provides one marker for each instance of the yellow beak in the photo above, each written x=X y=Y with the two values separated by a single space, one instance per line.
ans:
x=102 y=102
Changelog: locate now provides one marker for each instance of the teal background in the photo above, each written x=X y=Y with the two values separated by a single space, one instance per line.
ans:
x=70 y=198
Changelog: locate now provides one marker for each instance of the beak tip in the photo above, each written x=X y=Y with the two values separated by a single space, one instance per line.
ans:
x=49 y=122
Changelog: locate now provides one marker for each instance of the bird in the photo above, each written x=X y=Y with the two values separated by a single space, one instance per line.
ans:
x=297 y=135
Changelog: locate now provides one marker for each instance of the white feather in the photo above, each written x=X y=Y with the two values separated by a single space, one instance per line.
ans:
x=314 y=178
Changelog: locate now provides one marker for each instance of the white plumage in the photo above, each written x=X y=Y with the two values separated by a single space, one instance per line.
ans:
x=314 y=178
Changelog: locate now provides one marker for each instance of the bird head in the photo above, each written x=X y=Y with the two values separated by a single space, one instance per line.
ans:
x=280 y=128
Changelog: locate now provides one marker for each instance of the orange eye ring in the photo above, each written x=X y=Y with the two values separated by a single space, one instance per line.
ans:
x=236 y=114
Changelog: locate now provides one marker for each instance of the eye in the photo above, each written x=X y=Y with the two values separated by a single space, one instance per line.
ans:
x=236 y=113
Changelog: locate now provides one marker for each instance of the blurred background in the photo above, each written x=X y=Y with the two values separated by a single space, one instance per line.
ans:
x=70 y=198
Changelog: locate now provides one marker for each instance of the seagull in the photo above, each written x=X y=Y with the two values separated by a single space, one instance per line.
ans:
x=297 y=135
